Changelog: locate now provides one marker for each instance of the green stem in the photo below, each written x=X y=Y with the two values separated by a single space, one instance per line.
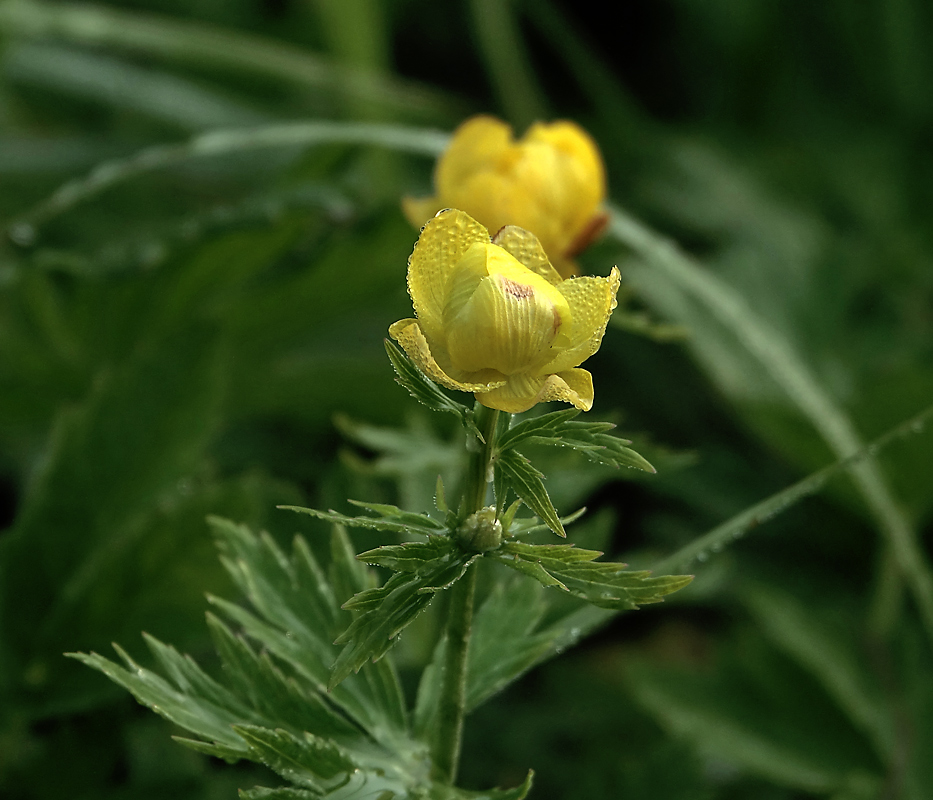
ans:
x=446 y=755
x=446 y=747
x=477 y=473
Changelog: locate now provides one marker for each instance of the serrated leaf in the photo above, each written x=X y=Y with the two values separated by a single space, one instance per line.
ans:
x=425 y=391
x=573 y=569
x=204 y=717
x=348 y=575
x=504 y=642
x=282 y=793
x=388 y=609
x=273 y=695
x=526 y=482
x=528 y=526
x=560 y=429
x=443 y=792
x=309 y=761
x=410 y=556
x=228 y=754
x=294 y=620
x=390 y=519
x=535 y=426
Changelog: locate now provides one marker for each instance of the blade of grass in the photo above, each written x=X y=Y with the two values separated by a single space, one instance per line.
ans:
x=201 y=44
x=751 y=517
x=507 y=63
x=422 y=141
x=801 y=386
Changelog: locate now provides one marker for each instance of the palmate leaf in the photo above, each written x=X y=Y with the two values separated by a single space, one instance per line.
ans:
x=390 y=518
x=575 y=570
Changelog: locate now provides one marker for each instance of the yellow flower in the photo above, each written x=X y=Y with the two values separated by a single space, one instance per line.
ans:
x=496 y=319
x=551 y=182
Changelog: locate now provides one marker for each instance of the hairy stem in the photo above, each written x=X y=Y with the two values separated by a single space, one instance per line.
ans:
x=446 y=746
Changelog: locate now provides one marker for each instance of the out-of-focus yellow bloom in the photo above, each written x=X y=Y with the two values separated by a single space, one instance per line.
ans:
x=496 y=319
x=551 y=182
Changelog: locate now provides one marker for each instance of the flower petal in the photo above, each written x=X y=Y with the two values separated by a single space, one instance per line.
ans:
x=479 y=144
x=574 y=386
x=510 y=319
x=444 y=240
x=520 y=393
x=408 y=333
x=581 y=174
x=527 y=250
x=591 y=302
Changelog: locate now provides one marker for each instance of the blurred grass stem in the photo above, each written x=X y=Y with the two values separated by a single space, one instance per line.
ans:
x=801 y=386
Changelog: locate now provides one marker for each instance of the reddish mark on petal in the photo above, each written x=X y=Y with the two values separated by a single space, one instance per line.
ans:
x=519 y=291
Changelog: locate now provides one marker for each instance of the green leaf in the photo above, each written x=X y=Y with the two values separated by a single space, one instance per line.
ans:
x=561 y=430
x=504 y=643
x=503 y=646
x=535 y=426
x=308 y=761
x=390 y=519
x=388 y=609
x=758 y=711
x=298 y=617
x=573 y=569
x=444 y=792
x=410 y=556
x=210 y=715
x=827 y=648
x=110 y=460
x=228 y=754
x=526 y=482
x=282 y=793
x=279 y=699
x=425 y=391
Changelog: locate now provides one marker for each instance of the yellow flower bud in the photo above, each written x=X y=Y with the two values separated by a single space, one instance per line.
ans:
x=551 y=182
x=496 y=319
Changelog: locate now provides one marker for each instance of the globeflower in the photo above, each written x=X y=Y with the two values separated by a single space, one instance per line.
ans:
x=496 y=319
x=551 y=182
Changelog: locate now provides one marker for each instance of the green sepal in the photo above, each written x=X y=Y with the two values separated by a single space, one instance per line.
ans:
x=391 y=518
x=575 y=570
x=512 y=468
x=425 y=391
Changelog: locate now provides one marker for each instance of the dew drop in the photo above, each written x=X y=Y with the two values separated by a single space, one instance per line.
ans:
x=702 y=556
x=917 y=426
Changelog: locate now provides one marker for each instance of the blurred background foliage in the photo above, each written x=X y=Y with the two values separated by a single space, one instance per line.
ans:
x=178 y=334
